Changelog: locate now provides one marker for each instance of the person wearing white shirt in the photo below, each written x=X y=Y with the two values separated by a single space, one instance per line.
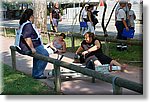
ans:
x=84 y=18
x=121 y=23
x=132 y=17
x=84 y=13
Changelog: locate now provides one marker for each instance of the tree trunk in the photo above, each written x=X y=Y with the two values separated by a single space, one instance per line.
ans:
x=40 y=14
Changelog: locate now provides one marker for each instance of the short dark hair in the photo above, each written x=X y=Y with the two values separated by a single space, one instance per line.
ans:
x=90 y=34
x=123 y=2
x=90 y=6
x=63 y=35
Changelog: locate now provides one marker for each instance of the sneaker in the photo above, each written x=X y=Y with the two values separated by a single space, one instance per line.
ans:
x=124 y=47
x=51 y=73
x=41 y=77
x=119 y=47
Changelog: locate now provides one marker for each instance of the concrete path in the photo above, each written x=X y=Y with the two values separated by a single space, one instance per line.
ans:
x=74 y=86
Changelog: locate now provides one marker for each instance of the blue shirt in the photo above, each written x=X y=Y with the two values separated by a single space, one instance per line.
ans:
x=29 y=32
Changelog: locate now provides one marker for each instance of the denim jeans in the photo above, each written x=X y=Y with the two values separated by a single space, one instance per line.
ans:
x=90 y=28
x=39 y=65
x=120 y=26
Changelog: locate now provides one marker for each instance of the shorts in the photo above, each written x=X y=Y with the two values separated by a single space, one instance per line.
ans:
x=101 y=57
x=104 y=59
x=55 y=22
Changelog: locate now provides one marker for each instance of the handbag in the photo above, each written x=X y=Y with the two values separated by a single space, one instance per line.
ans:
x=128 y=34
x=83 y=24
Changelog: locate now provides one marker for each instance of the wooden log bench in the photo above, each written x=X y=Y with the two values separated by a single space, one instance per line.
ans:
x=117 y=82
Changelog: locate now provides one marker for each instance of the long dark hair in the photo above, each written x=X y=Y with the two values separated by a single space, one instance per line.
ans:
x=26 y=16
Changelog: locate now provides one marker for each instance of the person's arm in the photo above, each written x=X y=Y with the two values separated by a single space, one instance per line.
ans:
x=122 y=16
x=80 y=49
x=52 y=46
x=30 y=44
x=94 y=48
x=125 y=24
x=51 y=16
x=89 y=15
x=51 y=19
x=60 y=17
x=134 y=16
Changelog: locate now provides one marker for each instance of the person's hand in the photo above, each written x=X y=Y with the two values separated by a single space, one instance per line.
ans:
x=60 y=19
x=85 y=52
x=33 y=50
x=55 y=50
x=127 y=28
x=92 y=24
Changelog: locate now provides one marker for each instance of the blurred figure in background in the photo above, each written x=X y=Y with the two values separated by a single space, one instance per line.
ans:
x=121 y=23
x=55 y=16
x=132 y=17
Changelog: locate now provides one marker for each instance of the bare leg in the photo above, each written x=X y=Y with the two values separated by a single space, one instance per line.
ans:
x=97 y=63
x=123 y=67
x=114 y=62
x=55 y=27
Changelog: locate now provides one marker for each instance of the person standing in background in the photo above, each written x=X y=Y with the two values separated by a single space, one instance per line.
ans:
x=121 y=23
x=90 y=19
x=84 y=18
x=132 y=17
x=55 y=16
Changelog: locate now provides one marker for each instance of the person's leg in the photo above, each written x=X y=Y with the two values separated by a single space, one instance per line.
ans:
x=118 y=27
x=56 y=30
x=34 y=71
x=88 y=28
x=94 y=59
x=51 y=26
x=39 y=65
x=114 y=62
x=97 y=63
x=55 y=24
x=92 y=29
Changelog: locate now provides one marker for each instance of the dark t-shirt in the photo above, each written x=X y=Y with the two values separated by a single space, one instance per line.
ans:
x=29 y=32
x=92 y=17
x=98 y=53
x=87 y=46
x=55 y=12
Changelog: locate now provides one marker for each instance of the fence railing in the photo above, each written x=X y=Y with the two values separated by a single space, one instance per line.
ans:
x=72 y=36
x=78 y=35
x=117 y=82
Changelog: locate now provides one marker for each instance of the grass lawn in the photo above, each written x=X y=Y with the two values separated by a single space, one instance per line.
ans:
x=17 y=83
